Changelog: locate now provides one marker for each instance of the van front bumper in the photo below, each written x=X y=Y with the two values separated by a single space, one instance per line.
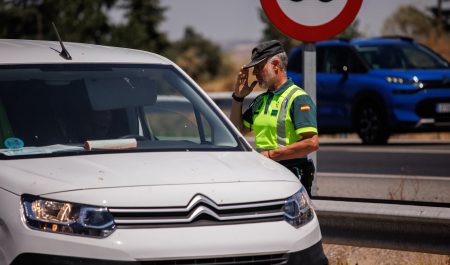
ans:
x=313 y=255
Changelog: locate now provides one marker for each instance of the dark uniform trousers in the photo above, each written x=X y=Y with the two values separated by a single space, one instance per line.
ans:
x=303 y=168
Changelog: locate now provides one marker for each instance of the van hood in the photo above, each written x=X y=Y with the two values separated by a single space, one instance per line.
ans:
x=40 y=176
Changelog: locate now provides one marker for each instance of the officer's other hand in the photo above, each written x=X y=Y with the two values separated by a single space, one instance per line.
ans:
x=266 y=154
x=241 y=88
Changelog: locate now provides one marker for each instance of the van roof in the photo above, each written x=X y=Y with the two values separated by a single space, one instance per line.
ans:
x=15 y=51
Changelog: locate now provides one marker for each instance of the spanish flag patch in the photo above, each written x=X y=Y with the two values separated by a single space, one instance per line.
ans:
x=305 y=107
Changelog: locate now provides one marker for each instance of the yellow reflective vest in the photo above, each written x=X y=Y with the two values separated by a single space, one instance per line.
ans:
x=271 y=117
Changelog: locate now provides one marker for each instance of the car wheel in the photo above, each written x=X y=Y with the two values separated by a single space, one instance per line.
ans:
x=371 y=124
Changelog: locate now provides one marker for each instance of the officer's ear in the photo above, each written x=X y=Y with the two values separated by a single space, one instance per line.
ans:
x=275 y=63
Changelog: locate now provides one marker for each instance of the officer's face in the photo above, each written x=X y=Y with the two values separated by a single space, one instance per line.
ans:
x=265 y=75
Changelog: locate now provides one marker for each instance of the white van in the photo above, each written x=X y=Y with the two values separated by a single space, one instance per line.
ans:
x=115 y=156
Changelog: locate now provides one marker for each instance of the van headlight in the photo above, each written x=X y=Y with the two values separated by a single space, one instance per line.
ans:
x=66 y=218
x=297 y=209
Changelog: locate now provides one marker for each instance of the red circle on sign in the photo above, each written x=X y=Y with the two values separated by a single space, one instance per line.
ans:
x=311 y=33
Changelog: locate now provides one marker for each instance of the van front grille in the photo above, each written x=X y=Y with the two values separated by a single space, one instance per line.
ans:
x=200 y=211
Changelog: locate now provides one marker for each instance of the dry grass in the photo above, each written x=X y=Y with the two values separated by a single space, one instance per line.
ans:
x=347 y=255
x=424 y=136
x=439 y=45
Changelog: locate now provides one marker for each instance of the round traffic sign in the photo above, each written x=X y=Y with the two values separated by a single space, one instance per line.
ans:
x=311 y=20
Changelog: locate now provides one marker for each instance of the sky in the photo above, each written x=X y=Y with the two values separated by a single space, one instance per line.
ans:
x=236 y=20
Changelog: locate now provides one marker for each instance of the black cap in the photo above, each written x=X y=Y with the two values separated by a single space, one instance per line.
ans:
x=263 y=51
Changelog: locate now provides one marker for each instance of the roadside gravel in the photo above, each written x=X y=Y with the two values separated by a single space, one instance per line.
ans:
x=348 y=255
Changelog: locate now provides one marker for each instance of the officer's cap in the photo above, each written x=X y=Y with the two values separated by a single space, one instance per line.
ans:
x=263 y=51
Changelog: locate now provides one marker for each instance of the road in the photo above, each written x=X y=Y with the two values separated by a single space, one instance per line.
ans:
x=401 y=170
x=398 y=158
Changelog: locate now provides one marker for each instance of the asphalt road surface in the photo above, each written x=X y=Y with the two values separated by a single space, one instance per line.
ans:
x=401 y=170
x=415 y=158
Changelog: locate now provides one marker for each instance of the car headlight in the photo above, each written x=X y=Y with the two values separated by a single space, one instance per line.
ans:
x=66 y=218
x=297 y=209
x=396 y=80
x=399 y=80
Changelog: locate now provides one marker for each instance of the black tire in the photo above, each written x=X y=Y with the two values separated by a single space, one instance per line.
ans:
x=371 y=124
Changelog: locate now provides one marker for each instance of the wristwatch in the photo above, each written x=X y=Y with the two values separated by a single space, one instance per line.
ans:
x=238 y=99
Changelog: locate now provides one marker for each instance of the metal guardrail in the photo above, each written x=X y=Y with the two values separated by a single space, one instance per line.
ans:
x=382 y=225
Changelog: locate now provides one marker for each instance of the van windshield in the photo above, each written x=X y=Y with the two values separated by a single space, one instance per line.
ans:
x=82 y=109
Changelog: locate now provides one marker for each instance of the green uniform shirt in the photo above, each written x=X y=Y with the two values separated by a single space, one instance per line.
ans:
x=279 y=117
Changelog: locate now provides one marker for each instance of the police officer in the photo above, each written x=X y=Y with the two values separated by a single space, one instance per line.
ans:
x=283 y=118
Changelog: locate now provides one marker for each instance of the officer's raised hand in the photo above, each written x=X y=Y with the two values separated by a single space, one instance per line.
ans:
x=241 y=87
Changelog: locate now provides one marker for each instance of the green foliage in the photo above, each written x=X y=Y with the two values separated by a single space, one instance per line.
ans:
x=81 y=20
x=140 y=31
x=87 y=21
x=199 y=57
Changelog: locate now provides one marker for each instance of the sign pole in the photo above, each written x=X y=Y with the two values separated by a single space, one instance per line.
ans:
x=309 y=69
x=309 y=85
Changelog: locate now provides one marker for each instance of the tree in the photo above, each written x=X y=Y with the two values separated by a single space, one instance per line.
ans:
x=428 y=29
x=81 y=20
x=140 y=30
x=199 y=57
x=408 y=21
x=442 y=16
x=86 y=21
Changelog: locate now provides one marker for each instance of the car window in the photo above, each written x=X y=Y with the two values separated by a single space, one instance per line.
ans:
x=419 y=57
x=295 y=63
x=400 y=56
x=46 y=108
x=320 y=59
x=332 y=59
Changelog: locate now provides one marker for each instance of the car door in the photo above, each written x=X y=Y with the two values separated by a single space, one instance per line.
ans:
x=339 y=73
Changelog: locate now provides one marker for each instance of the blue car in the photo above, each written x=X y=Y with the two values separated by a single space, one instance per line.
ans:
x=377 y=87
